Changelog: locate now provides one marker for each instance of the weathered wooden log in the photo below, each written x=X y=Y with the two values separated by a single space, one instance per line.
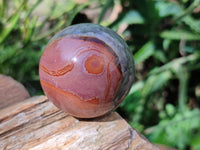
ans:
x=36 y=124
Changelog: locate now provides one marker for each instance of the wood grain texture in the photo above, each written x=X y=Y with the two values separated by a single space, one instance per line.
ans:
x=36 y=124
x=11 y=91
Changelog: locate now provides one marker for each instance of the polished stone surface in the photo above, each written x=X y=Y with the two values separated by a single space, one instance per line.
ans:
x=86 y=70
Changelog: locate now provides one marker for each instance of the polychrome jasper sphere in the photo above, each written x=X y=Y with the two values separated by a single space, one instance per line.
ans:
x=86 y=70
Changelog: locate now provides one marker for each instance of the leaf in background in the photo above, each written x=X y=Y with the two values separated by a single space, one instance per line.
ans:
x=128 y=18
x=192 y=23
x=3 y=6
x=145 y=52
x=189 y=49
x=188 y=10
x=156 y=82
x=10 y=25
x=176 y=131
x=29 y=28
x=161 y=80
x=60 y=8
x=159 y=54
x=166 y=8
x=179 y=34
x=195 y=142
x=136 y=87
x=166 y=43
x=132 y=17
x=7 y=53
x=104 y=9
x=149 y=12
x=170 y=110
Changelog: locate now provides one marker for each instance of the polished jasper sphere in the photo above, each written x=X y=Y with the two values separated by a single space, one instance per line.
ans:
x=86 y=70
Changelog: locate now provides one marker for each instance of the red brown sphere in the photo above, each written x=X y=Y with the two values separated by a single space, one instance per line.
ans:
x=82 y=74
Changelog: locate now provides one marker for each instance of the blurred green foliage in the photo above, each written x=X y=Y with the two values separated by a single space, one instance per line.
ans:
x=163 y=35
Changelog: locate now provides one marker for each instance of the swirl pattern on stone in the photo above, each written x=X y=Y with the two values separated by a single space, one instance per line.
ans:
x=86 y=70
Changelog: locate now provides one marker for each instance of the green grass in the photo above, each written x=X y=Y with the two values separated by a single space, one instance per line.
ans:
x=164 y=38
